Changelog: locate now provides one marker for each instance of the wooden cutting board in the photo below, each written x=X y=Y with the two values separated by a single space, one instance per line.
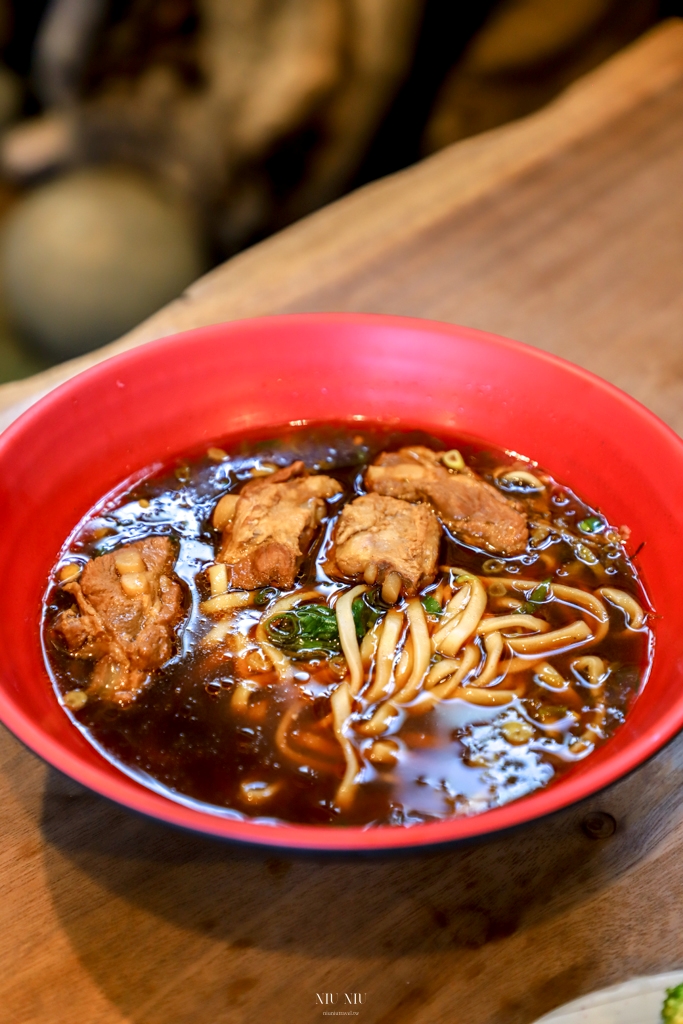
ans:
x=564 y=230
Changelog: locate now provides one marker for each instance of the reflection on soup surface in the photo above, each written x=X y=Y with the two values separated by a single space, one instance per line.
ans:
x=347 y=626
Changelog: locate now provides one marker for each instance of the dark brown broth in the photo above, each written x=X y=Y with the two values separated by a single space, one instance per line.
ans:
x=180 y=736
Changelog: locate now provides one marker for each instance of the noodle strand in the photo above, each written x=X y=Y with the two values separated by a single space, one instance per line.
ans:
x=499 y=623
x=635 y=616
x=341 y=711
x=405 y=663
x=283 y=746
x=555 y=642
x=422 y=649
x=386 y=652
x=487 y=698
x=348 y=637
x=463 y=614
x=444 y=682
x=368 y=645
x=494 y=644
x=591 y=669
x=381 y=719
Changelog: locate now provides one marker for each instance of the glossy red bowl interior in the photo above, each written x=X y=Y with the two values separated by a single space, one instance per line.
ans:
x=149 y=404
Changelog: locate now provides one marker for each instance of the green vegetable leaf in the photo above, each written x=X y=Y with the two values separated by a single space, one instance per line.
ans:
x=431 y=605
x=306 y=631
x=592 y=524
x=311 y=630
x=364 y=616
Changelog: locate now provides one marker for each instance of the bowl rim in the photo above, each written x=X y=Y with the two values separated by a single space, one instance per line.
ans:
x=123 y=789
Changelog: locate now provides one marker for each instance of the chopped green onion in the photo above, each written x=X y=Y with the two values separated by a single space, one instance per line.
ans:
x=431 y=605
x=283 y=627
x=592 y=524
x=453 y=460
x=584 y=553
x=265 y=595
x=537 y=596
x=551 y=712
x=493 y=565
x=540 y=593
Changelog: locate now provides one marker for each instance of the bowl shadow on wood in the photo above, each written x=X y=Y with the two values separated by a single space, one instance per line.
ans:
x=142 y=904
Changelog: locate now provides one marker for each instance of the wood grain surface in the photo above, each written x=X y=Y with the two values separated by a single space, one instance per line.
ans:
x=564 y=230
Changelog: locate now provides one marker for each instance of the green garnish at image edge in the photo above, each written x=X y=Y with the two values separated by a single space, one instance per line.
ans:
x=672 y=1010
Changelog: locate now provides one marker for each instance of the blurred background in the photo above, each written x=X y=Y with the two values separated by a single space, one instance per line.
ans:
x=144 y=141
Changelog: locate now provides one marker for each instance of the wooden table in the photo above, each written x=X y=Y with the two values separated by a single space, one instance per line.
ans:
x=564 y=230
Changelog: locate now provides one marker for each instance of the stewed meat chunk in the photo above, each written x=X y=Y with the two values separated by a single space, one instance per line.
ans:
x=474 y=510
x=127 y=606
x=378 y=535
x=267 y=528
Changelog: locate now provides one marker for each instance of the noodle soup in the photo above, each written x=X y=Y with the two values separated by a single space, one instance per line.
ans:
x=347 y=627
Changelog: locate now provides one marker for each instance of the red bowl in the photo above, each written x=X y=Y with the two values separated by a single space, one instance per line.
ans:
x=149 y=404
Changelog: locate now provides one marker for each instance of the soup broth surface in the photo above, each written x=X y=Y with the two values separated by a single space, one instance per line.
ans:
x=248 y=726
